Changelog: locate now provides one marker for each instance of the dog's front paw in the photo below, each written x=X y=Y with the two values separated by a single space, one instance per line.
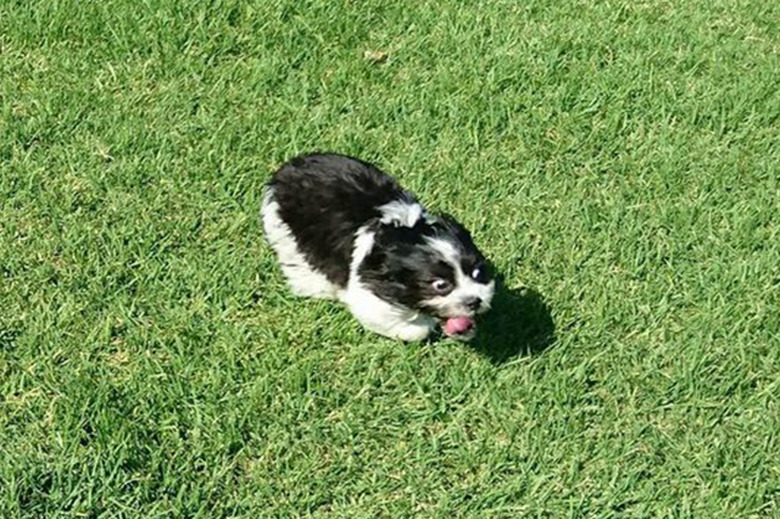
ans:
x=413 y=332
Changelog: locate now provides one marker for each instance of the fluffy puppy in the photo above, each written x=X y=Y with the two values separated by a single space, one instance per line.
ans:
x=342 y=229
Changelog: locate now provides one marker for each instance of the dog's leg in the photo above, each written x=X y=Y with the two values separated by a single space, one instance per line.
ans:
x=414 y=331
x=383 y=318
x=411 y=331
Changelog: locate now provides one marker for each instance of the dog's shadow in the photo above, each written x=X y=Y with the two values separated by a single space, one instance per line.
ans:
x=519 y=323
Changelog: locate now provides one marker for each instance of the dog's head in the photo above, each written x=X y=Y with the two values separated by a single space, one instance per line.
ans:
x=429 y=264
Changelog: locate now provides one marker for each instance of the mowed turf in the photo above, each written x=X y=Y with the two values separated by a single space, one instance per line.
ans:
x=618 y=161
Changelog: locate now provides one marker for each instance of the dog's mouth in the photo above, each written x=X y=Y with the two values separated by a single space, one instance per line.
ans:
x=462 y=327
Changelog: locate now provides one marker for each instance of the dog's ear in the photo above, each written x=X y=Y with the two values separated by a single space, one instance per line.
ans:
x=448 y=222
x=402 y=213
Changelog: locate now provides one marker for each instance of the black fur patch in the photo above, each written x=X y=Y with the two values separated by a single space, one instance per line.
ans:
x=325 y=199
x=402 y=265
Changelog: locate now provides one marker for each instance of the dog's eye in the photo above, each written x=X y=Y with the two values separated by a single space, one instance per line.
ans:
x=441 y=285
x=479 y=273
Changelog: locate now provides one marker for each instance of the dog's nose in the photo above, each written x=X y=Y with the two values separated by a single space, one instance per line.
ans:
x=473 y=303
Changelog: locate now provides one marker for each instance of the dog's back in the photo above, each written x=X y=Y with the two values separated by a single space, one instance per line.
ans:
x=323 y=199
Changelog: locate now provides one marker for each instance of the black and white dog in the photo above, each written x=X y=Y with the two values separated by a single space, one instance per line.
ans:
x=342 y=229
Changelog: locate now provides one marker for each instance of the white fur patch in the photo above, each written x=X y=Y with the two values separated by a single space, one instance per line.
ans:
x=303 y=279
x=465 y=286
x=401 y=213
x=383 y=318
x=374 y=313
x=364 y=242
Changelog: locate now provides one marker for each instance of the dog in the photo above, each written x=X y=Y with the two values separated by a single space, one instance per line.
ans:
x=344 y=230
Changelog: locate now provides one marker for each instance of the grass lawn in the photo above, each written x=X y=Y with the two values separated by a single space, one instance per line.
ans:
x=619 y=161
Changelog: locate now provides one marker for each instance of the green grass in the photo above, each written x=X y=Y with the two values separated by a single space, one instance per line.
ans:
x=619 y=162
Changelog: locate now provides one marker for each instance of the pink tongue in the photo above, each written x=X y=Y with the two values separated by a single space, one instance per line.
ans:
x=458 y=325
